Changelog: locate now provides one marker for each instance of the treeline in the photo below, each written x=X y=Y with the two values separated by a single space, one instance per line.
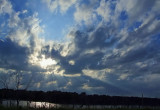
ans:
x=75 y=98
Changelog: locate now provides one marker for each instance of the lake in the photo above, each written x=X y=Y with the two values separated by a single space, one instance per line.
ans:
x=34 y=104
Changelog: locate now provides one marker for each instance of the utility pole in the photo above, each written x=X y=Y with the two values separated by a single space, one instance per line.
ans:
x=142 y=100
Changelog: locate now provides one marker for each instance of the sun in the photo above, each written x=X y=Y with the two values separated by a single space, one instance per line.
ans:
x=45 y=62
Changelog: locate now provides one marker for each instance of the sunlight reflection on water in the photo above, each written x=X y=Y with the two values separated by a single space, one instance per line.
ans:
x=32 y=104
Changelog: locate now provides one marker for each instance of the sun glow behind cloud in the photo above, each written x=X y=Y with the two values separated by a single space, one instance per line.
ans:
x=45 y=62
x=42 y=61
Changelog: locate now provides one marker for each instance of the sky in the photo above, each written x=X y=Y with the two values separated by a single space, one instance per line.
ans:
x=109 y=47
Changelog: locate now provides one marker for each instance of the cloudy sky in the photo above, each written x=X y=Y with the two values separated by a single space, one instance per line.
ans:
x=109 y=47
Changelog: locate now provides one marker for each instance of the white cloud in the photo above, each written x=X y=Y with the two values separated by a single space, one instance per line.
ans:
x=58 y=71
x=135 y=9
x=90 y=88
x=91 y=51
x=52 y=5
x=25 y=30
x=5 y=7
x=155 y=24
x=156 y=7
x=84 y=13
x=64 y=5
x=141 y=64
x=97 y=74
x=69 y=83
x=14 y=20
x=68 y=49
x=71 y=62
x=51 y=83
x=72 y=75
x=37 y=85
x=2 y=70
x=24 y=11
x=124 y=76
x=128 y=5
x=86 y=87
x=104 y=10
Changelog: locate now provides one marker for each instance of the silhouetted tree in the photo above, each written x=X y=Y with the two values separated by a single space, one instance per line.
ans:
x=19 y=84
x=17 y=76
x=5 y=80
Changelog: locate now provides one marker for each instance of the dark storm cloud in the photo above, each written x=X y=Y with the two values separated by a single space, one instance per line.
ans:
x=142 y=49
x=141 y=59
x=83 y=42
x=96 y=37
x=13 y=56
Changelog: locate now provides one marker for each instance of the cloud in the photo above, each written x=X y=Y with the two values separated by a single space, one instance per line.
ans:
x=89 y=88
x=104 y=10
x=85 y=13
x=97 y=74
x=63 y=5
x=5 y=7
x=52 y=5
x=136 y=10
x=66 y=4
x=12 y=55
